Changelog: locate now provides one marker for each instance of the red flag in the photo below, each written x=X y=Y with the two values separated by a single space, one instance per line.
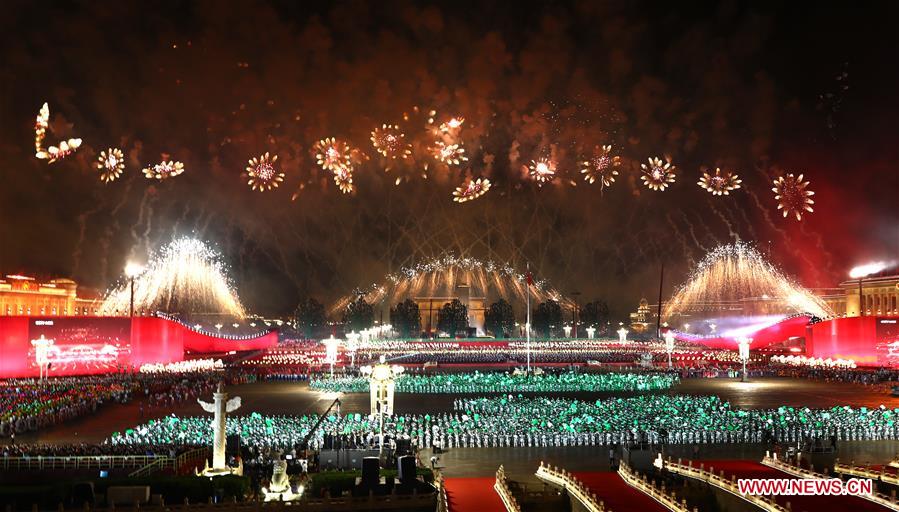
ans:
x=530 y=279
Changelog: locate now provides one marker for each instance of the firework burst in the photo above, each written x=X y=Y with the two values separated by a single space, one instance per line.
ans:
x=792 y=195
x=389 y=141
x=602 y=167
x=542 y=170
x=734 y=273
x=720 y=183
x=66 y=148
x=657 y=175
x=439 y=277
x=164 y=169
x=52 y=153
x=262 y=173
x=186 y=277
x=110 y=164
x=471 y=190
x=450 y=154
x=452 y=125
x=332 y=154
x=343 y=178
x=40 y=130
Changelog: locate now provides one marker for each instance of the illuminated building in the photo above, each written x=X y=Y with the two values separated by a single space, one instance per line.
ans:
x=429 y=308
x=24 y=296
x=880 y=295
x=641 y=318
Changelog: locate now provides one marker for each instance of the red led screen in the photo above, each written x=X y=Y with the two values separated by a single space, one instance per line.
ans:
x=92 y=345
x=869 y=341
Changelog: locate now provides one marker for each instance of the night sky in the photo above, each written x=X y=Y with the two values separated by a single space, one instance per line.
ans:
x=750 y=86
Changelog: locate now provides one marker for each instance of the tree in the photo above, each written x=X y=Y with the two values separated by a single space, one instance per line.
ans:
x=547 y=317
x=405 y=318
x=595 y=314
x=359 y=315
x=500 y=319
x=452 y=317
x=310 y=317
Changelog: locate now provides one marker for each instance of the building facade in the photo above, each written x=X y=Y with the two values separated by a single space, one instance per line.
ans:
x=429 y=307
x=26 y=296
x=879 y=296
x=641 y=318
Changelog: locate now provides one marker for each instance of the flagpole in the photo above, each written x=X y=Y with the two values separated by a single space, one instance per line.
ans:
x=527 y=326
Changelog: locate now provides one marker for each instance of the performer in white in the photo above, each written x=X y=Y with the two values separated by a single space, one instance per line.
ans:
x=220 y=407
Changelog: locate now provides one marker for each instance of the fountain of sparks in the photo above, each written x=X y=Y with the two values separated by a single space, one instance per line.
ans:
x=735 y=286
x=186 y=277
x=444 y=276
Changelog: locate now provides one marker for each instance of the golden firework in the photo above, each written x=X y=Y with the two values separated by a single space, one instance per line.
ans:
x=602 y=167
x=389 y=141
x=164 y=170
x=792 y=195
x=542 y=170
x=111 y=163
x=657 y=175
x=40 y=130
x=65 y=148
x=720 y=183
x=262 y=173
x=332 y=154
x=450 y=154
x=471 y=190
x=343 y=178
x=453 y=124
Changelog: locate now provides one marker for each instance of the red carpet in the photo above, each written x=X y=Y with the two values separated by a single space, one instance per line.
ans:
x=749 y=469
x=473 y=495
x=616 y=494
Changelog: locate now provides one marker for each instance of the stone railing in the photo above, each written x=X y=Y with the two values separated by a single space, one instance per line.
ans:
x=574 y=487
x=502 y=488
x=80 y=462
x=398 y=502
x=659 y=494
x=175 y=463
x=717 y=480
x=442 y=500
x=883 y=500
x=887 y=477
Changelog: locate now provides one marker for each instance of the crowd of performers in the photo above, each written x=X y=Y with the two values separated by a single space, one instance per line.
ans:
x=511 y=420
x=504 y=382
x=31 y=404
x=515 y=420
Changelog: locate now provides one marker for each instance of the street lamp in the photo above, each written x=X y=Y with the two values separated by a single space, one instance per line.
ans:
x=567 y=330
x=133 y=270
x=382 y=382
x=861 y=272
x=576 y=317
x=331 y=345
x=591 y=331
x=352 y=343
x=622 y=335
x=669 y=345
x=743 y=345
x=41 y=355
